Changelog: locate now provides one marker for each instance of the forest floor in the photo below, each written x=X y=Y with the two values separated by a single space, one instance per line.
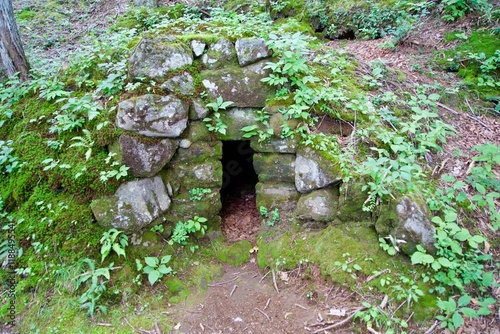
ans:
x=247 y=299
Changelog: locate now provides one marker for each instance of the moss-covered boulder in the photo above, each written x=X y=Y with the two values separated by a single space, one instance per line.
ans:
x=182 y=83
x=184 y=207
x=242 y=86
x=351 y=201
x=187 y=174
x=145 y=157
x=235 y=254
x=198 y=152
x=407 y=219
x=219 y=54
x=156 y=56
x=275 y=167
x=314 y=171
x=153 y=115
x=236 y=119
x=196 y=131
x=319 y=205
x=277 y=195
x=251 y=50
x=135 y=204
x=276 y=145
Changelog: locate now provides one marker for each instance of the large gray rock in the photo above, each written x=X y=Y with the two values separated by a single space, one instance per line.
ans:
x=320 y=205
x=314 y=171
x=181 y=84
x=275 y=167
x=153 y=115
x=154 y=57
x=407 y=219
x=135 y=205
x=242 y=86
x=283 y=196
x=251 y=50
x=146 y=158
x=351 y=201
x=219 y=54
x=146 y=3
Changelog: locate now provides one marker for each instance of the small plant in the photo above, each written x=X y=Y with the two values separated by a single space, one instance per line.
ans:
x=122 y=171
x=85 y=142
x=215 y=124
x=155 y=268
x=8 y=162
x=196 y=194
x=275 y=215
x=183 y=230
x=113 y=240
x=91 y=296
x=157 y=229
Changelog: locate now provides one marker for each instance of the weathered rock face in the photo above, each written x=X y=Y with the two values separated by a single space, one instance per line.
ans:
x=277 y=195
x=135 y=205
x=153 y=115
x=275 y=167
x=276 y=145
x=146 y=3
x=154 y=57
x=250 y=50
x=145 y=159
x=198 y=110
x=312 y=171
x=219 y=54
x=182 y=84
x=242 y=86
x=198 y=47
x=320 y=205
x=351 y=200
x=407 y=220
x=183 y=208
x=236 y=119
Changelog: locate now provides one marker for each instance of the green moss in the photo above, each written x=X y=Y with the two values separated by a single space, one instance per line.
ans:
x=25 y=14
x=236 y=253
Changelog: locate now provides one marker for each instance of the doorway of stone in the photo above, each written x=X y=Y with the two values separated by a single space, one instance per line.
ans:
x=240 y=218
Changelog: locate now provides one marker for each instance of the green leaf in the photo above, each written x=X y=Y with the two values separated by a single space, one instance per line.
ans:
x=151 y=261
x=119 y=250
x=457 y=319
x=468 y=312
x=434 y=97
x=464 y=300
x=164 y=269
x=445 y=262
x=153 y=276
x=166 y=259
x=480 y=189
x=421 y=258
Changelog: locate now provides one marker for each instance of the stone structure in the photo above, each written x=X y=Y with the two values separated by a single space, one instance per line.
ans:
x=168 y=145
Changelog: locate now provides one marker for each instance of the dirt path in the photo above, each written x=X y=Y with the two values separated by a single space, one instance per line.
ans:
x=242 y=301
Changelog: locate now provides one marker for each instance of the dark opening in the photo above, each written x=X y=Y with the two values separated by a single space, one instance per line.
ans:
x=346 y=34
x=239 y=177
x=240 y=219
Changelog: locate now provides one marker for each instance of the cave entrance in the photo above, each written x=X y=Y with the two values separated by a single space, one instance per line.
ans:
x=240 y=219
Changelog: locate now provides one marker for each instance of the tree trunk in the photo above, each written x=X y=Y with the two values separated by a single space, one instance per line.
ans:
x=11 y=49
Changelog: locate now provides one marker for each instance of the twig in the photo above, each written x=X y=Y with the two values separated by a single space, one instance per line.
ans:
x=432 y=328
x=341 y=323
x=232 y=291
x=474 y=117
x=372 y=277
x=264 y=313
x=302 y=307
x=264 y=276
x=371 y=330
x=157 y=328
x=267 y=304
x=224 y=282
x=447 y=108
x=274 y=281
x=128 y=323
x=202 y=328
x=104 y=325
